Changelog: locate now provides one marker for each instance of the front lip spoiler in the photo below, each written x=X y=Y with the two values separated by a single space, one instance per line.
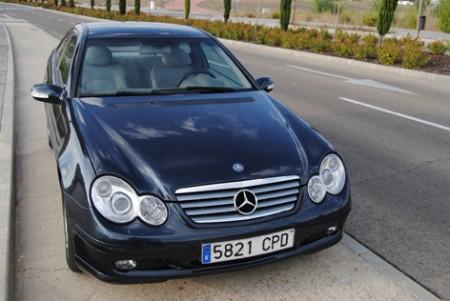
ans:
x=139 y=276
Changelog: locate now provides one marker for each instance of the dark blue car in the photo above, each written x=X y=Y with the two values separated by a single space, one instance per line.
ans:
x=174 y=161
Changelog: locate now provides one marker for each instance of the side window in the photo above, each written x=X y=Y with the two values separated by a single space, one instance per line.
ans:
x=65 y=58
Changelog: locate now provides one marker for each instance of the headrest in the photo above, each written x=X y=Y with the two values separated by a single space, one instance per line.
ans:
x=176 y=58
x=152 y=49
x=98 y=56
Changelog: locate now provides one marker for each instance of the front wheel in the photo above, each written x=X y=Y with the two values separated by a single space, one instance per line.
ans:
x=70 y=245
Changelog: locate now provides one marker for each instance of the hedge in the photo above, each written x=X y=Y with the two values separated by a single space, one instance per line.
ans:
x=393 y=51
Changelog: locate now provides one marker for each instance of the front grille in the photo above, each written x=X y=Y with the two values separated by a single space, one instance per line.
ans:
x=215 y=203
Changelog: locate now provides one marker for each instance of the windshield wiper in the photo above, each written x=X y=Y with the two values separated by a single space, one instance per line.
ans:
x=196 y=89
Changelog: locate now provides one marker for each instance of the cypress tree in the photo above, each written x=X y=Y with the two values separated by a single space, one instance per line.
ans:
x=227 y=9
x=285 y=14
x=122 y=7
x=108 y=5
x=92 y=4
x=187 y=8
x=71 y=3
x=137 y=7
x=385 y=17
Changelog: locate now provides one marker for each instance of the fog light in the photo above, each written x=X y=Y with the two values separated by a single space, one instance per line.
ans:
x=332 y=230
x=125 y=265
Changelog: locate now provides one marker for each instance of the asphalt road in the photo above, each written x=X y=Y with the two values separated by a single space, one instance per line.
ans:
x=394 y=133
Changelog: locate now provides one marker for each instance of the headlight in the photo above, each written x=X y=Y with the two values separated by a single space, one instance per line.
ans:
x=153 y=211
x=331 y=179
x=117 y=201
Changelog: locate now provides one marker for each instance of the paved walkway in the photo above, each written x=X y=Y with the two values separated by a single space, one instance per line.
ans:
x=3 y=66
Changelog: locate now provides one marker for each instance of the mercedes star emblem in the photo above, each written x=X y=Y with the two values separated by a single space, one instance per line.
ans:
x=245 y=202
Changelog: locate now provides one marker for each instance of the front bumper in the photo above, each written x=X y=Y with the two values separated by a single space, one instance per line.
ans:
x=174 y=251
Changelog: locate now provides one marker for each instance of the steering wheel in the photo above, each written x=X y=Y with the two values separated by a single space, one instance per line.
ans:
x=195 y=73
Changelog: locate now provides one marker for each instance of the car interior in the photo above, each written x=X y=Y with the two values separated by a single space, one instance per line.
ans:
x=148 y=66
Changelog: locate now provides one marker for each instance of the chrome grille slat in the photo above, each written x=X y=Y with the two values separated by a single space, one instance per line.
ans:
x=229 y=201
x=208 y=203
x=215 y=203
x=237 y=217
x=231 y=193
x=225 y=209
x=276 y=194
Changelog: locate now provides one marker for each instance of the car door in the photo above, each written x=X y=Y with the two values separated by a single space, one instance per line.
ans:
x=61 y=77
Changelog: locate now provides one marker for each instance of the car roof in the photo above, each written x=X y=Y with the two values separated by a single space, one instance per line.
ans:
x=147 y=29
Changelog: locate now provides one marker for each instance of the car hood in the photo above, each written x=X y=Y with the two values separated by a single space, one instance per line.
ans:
x=163 y=143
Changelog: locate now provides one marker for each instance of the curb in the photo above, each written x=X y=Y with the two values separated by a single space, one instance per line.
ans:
x=356 y=63
x=304 y=54
x=7 y=190
x=419 y=292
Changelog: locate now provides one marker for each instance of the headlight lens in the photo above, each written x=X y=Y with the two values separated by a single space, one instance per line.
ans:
x=117 y=201
x=153 y=211
x=331 y=179
x=316 y=190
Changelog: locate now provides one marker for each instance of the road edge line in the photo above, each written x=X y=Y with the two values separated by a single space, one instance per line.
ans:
x=7 y=174
x=397 y=276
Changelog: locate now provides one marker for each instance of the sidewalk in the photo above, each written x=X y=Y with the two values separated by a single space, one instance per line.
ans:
x=6 y=165
x=3 y=66
x=347 y=271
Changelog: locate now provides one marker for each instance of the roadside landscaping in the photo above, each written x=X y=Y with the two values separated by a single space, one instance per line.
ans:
x=405 y=52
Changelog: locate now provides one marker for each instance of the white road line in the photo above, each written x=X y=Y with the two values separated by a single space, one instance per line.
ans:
x=412 y=118
x=320 y=72
x=354 y=81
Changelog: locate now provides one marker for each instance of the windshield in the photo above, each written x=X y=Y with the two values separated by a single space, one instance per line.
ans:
x=146 y=66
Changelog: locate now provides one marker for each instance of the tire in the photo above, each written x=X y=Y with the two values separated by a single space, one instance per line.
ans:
x=70 y=245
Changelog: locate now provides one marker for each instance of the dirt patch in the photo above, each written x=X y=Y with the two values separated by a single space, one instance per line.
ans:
x=438 y=64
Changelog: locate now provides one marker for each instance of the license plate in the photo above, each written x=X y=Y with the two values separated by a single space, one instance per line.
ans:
x=249 y=247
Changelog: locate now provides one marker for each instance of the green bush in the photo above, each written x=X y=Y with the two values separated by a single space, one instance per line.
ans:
x=275 y=15
x=408 y=52
x=390 y=52
x=320 y=6
x=438 y=47
x=413 y=56
x=444 y=15
x=370 y=18
x=345 y=17
x=367 y=48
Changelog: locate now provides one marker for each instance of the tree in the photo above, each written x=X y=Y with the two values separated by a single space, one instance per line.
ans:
x=227 y=9
x=56 y=2
x=444 y=15
x=385 y=17
x=63 y=2
x=187 y=8
x=122 y=7
x=92 y=4
x=285 y=14
x=108 y=5
x=137 y=7
x=71 y=3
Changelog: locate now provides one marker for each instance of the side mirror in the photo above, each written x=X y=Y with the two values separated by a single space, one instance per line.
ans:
x=47 y=93
x=265 y=83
